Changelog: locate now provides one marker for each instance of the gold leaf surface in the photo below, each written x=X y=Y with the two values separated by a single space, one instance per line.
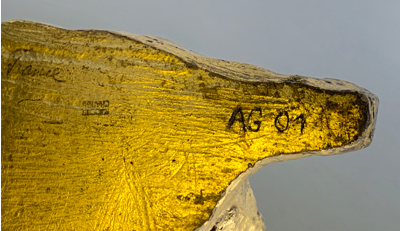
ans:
x=104 y=132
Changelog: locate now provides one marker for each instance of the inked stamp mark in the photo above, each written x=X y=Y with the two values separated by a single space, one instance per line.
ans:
x=96 y=107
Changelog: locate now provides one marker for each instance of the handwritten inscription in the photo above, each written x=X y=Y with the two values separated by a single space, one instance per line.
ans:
x=30 y=70
x=96 y=107
x=281 y=121
x=279 y=125
x=285 y=125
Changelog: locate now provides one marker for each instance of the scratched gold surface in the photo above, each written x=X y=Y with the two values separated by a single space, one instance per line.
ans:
x=101 y=132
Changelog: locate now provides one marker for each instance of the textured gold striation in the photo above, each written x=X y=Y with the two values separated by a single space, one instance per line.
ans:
x=102 y=132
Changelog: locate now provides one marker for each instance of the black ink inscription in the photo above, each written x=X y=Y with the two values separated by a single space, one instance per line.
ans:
x=11 y=66
x=257 y=122
x=22 y=100
x=96 y=107
x=282 y=120
x=303 y=122
x=283 y=127
x=28 y=70
x=32 y=71
x=234 y=118
x=278 y=125
x=238 y=115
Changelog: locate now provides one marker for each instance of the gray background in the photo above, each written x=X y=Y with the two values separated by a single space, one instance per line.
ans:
x=357 y=41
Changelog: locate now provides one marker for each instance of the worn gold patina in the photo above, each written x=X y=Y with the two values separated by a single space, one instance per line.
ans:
x=102 y=132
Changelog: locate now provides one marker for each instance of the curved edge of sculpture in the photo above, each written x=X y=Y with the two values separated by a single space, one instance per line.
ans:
x=238 y=71
x=188 y=56
x=222 y=69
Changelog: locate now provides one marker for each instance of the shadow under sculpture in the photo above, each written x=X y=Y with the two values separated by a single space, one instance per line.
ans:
x=107 y=130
